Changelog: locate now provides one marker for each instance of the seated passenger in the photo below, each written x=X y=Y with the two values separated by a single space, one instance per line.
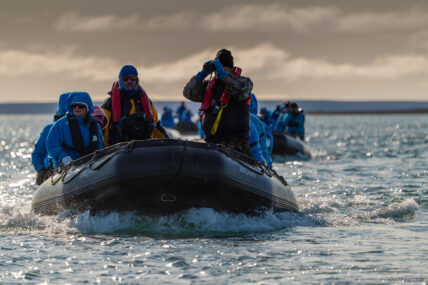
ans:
x=76 y=134
x=266 y=117
x=39 y=157
x=255 y=148
x=260 y=127
x=100 y=116
x=293 y=122
x=180 y=111
x=167 y=118
x=131 y=114
x=269 y=144
x=187 y=116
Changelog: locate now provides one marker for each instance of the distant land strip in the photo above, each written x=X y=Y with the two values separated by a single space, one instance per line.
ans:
x=309 y=106
x=374 y=112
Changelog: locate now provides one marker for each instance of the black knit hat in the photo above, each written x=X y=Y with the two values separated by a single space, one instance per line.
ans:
x=225 y=57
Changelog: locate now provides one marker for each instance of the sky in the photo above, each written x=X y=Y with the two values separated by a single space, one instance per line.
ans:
x=365 y=50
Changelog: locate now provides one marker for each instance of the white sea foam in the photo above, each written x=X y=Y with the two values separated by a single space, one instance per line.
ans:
x=194 y=221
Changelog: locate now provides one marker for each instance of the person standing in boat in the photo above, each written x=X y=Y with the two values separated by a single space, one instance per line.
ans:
x=131 y=114
x=75 y=135
x=225 y=102
x=39 y=157
x=293 y=122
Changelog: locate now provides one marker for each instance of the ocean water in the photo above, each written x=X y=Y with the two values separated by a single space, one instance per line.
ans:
x=363 y=217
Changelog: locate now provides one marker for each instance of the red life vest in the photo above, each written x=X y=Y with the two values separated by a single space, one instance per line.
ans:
x=225 y=96
x=117 y=106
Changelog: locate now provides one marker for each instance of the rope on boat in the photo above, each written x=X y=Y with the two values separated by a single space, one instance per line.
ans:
x=64 y=169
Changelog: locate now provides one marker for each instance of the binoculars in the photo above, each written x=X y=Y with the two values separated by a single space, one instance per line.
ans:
x=209 y=67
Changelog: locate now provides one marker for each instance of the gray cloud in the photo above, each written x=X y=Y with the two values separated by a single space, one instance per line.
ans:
x=16 y=63
x=261 y=62
x=271 y=17
x=182 y=20
x=74 y=22
x=255 y=17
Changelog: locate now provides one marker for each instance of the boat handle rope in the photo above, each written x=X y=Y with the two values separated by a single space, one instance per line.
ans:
x=227 y=152
x=264 y=169
x=77 y=173
x=126 y=148
x=92 y=161
x=180 y=168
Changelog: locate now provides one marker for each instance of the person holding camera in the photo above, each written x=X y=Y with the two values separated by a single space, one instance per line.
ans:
x=225 y=102
x=130 y=112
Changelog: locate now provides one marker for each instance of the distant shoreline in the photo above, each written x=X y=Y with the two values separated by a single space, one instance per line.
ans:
x=310 y=107
x=376 y=112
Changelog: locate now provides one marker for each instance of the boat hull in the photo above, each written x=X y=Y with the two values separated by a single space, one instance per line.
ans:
x=285 y=144
x=162 y=177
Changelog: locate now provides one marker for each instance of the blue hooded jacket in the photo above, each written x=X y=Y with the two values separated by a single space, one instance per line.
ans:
x=269 y=144
x=292 y=123
x=255 y=148
x=167 y=119
x=260 y=127
x=39 y=157
x=60 y=132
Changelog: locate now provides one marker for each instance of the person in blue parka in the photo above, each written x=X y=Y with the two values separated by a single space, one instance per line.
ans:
x=167 y=119
x=269 y=145
x=76 y=134
x=255 y=148
x=293 y=122
x=180 y=111
x=261 y=130
x=39 y=157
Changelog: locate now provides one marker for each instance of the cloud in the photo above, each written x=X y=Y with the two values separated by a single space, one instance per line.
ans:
x=262 y=62
x=272 y=17
x=277 y=17
x=269 y=62
x=256 y=17
x=382 y=21
x=16 y=63
x=182 y=20
x=76 y=23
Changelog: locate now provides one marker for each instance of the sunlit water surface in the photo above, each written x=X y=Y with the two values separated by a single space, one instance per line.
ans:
x=363 y=218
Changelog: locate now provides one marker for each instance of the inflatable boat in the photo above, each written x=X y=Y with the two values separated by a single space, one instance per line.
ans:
x=186 y=127
x=162 y=177
x=287 y=144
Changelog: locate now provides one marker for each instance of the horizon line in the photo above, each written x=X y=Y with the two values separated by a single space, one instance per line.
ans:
x=266 y=100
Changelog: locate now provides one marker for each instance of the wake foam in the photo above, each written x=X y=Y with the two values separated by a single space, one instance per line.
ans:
x=203 y=222
x=194 y=222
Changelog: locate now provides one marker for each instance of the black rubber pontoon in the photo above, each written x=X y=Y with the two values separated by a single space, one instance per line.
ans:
x=286 y=144
x=186 y=127
x=164 y=176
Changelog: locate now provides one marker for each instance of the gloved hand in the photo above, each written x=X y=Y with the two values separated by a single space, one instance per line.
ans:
x=66 y=160
x=40 y=176
x=221 y=73
x=204 y=72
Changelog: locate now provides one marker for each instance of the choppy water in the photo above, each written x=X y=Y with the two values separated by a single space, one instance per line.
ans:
x=364 y=218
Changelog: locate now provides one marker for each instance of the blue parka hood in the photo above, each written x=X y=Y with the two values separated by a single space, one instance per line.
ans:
x=62 y=104
x=254 y=106
x=80 y=97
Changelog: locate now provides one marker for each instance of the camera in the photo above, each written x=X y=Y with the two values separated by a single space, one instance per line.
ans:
x=209 y=67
